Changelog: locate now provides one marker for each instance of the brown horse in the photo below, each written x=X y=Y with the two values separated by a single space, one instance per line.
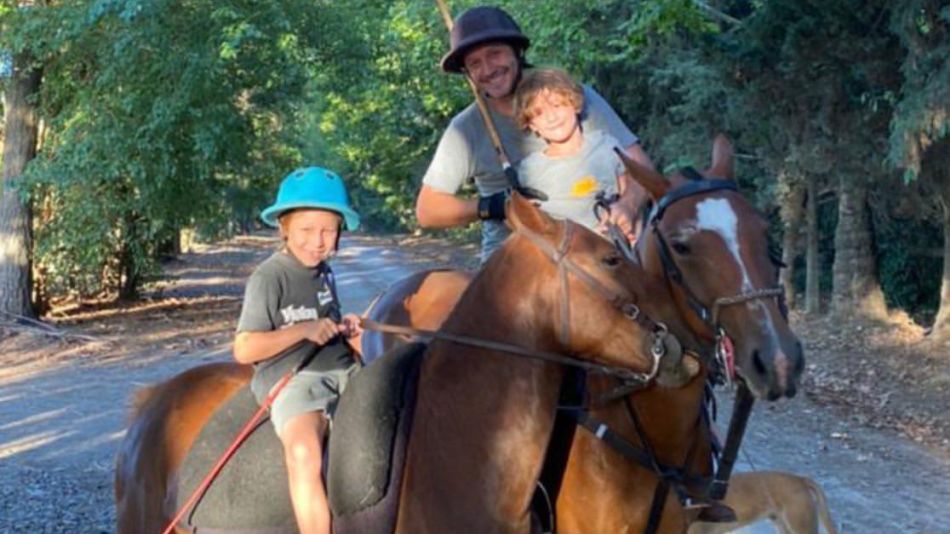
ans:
x=709 y=245
x=482 y=418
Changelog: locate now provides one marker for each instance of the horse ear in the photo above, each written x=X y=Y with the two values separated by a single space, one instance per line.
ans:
x=521 y=213
x=723 y=157
x=654 y=183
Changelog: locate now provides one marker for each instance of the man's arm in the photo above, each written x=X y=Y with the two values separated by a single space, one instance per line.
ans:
x=437 y=209
x=636 y=153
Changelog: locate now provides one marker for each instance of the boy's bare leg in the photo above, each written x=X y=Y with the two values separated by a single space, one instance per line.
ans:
x=302 y=437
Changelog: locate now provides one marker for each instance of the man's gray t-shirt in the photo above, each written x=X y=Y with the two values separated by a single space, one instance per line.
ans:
x=281 y=292
x=465 y=153
x=572 y=182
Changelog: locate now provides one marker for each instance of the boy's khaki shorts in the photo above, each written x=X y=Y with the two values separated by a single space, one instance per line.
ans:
x=310 y=391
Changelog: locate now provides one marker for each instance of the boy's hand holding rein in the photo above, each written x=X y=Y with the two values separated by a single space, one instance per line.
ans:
x=350 y=326
x=321 y=331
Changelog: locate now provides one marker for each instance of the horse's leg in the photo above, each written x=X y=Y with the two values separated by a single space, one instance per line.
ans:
x=166 y=418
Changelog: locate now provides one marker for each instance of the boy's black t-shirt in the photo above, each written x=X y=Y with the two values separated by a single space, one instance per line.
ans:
x=281 y=292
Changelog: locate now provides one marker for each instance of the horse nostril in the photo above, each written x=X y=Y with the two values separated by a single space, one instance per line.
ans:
x=758 y=363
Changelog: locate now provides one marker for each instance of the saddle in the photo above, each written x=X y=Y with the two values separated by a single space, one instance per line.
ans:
x=363 y=464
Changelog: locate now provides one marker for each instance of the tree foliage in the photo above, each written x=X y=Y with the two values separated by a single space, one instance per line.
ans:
x=158 y=113
x=163 y=115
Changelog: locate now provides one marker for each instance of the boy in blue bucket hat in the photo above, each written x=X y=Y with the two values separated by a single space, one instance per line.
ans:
x=290 y=321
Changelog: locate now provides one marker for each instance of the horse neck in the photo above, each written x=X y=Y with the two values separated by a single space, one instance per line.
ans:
x=507 y=302
x=484 y=417
x=513 y=299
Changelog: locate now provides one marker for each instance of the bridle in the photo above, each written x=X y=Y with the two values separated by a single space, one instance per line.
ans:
x=618 y=298
x=674 y=276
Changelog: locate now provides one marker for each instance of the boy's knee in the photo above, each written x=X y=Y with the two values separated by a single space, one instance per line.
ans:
x=302 y=452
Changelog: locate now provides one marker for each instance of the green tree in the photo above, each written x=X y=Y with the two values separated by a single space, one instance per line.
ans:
x=160 y=113
x=920 y=128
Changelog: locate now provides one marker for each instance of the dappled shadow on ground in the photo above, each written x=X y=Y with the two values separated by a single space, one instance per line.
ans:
x=882 y=373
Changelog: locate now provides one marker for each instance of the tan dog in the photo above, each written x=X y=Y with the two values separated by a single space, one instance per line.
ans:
x=792 y=503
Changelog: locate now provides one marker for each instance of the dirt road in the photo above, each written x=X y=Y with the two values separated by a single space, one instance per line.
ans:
x=63 y=401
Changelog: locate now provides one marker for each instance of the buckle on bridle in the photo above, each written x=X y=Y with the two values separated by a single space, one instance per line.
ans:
x=724 y=358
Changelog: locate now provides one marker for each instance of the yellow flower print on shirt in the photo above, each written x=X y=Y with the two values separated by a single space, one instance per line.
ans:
x=584 y=187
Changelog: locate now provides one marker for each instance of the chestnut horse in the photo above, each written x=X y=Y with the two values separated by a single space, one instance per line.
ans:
x=483 y=416
x=709 y=246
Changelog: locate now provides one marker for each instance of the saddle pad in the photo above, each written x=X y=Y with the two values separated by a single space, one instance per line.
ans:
x=250 y=495
x=368 y=440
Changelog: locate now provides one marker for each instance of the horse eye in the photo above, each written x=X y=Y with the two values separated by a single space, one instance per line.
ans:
x=611 y=261
x=680 y=248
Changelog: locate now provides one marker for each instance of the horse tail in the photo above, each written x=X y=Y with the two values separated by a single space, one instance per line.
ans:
x=824 y=515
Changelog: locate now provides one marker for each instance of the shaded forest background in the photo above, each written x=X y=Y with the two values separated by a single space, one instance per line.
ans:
x=133 y=126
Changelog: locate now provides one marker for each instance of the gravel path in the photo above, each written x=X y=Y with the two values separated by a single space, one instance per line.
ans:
x=60 y=425
x=61 y=421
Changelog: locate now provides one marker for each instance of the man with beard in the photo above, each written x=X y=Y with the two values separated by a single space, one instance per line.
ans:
x=487 y=45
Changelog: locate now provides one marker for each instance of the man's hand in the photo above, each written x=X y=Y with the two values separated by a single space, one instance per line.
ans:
x=619 y=215
x=624 y=212
x=492 y=207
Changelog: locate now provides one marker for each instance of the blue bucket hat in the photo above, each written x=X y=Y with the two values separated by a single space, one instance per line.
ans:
x=312 y=187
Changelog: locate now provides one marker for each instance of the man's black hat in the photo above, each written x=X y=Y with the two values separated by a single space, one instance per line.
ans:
x=480 y=25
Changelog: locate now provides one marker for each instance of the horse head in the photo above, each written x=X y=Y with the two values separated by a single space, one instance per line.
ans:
x=711 y=245
x=588 y=294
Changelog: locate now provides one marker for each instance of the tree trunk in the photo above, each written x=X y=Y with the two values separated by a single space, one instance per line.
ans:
x=936 y=167
x=792 y=212
x=812 y=265
x=19 y=147
x=856 y=289
x=941 y=327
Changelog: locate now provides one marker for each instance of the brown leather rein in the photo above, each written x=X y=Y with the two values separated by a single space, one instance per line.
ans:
x=560 y=257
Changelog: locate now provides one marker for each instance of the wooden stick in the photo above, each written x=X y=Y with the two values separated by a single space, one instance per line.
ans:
x=483 y=109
